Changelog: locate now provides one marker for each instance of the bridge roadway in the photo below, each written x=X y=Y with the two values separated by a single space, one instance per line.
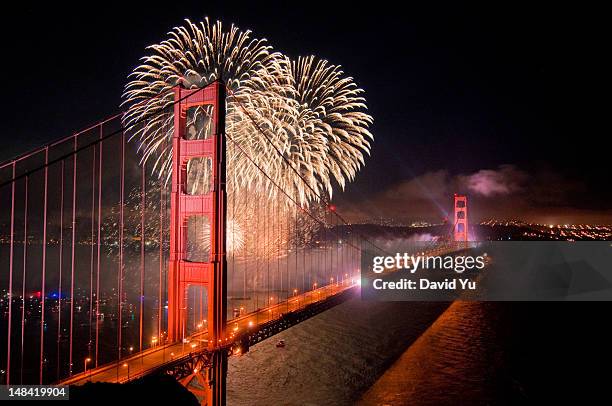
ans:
x=137 y=365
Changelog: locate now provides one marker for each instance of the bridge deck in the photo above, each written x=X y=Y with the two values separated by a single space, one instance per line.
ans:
x=139 y=364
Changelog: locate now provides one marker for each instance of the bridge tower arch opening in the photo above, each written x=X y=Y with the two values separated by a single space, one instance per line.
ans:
x=460 y=207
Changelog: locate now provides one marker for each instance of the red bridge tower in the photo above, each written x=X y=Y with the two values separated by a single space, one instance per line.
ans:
x=182 y=272
x=460 y=231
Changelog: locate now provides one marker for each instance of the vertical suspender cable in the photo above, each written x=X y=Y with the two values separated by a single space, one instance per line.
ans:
x=296 y=243
x=257 y=230
x=337 y=238
x=304 y=257
x=60 y=265
x=23 y=281
x=234 y=273
x=143 y=202
x=287 y=234
x=120 y=273
x=74 y=200
x=244 y=248
x=161 y=255
x=92 y=254
x=266 y=253
x=10 y=284
x=98 y=244
x=44 y=267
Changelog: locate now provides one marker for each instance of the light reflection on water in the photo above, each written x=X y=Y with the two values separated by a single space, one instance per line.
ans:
x=461 y=356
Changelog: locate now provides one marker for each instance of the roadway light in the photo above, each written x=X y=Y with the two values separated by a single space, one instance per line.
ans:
x=87 y=360
x=126 y=365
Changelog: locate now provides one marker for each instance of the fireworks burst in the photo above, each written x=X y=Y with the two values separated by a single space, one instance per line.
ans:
x=306 y=112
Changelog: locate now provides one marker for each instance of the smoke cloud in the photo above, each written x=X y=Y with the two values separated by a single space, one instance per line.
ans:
x=505 y=180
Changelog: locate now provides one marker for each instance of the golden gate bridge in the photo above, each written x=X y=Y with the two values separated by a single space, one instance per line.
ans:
x=112 y=274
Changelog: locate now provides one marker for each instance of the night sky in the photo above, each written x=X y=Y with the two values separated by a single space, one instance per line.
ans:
x=494 y=101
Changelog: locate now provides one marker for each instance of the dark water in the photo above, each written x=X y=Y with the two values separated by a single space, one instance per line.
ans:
x=468 y=354
x=502 y=353
x=329 y=359
x=425 y=354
